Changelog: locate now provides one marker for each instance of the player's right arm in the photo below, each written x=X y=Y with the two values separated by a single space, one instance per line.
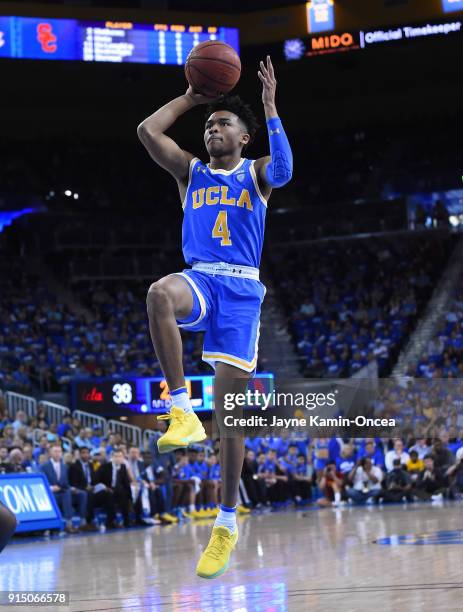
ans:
x=165 y=151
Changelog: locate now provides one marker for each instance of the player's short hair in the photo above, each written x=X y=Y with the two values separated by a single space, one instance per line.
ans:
x=235 y=105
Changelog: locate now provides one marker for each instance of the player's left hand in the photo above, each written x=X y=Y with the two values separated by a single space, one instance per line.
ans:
x=267 y=75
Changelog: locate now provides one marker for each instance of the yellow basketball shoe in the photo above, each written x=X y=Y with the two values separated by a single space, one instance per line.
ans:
x=215 y=559
x=184 y=429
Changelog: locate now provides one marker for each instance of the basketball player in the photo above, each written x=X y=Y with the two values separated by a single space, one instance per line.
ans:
x=224 y=204
x=7 y=525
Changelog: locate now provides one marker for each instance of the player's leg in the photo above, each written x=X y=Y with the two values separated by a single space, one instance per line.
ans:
x=214 y=560
x=7 y=525
x=169 y=300
x=229 y=379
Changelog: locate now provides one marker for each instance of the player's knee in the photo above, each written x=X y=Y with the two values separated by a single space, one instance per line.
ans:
x=157 y=300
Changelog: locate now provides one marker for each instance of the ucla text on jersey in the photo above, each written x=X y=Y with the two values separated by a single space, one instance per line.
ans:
x=224 y=215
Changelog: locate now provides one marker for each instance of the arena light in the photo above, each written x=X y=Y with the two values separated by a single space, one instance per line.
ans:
x=68 y=193
x=76 y=196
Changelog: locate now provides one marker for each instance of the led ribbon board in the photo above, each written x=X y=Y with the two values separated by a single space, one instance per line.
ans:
x=320 y=44
x=106 y=41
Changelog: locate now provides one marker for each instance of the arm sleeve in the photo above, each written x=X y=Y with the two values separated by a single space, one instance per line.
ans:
x=280 y=169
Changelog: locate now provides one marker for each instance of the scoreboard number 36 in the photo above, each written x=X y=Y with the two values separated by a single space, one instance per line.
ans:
x=122 y=393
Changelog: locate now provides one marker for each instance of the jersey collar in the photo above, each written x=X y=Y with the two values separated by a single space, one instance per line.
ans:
x=221 y=171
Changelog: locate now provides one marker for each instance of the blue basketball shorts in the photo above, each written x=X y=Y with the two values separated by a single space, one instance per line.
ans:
x=227 y=309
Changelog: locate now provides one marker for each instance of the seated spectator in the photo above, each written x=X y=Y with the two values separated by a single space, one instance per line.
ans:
x=153 y=484
x=8 y=436
x=115 y=477
x=15 y=461
x=20 y=421
x=184 y=487
x=321 y=455
x=162 y=469
x=4 y=462
x=277 y=479
x=255 y=486
x=82 y=476
x=83 y=439
x=345 y=463
x=57 y=475
x=331 y=486
x=421 y=447
x=41 y=449
x=414 y=466
x=200 y=471
x=398 y=483
x=292 y=456
x=141 y=488
x=65 y=426
x=373 y=452
x=213 y=480
x=431 y=482
x=42 y=416
x=28 y=462
x=301 y=480
x=442 y=456
x=365 y=481
x=455 y=474
x=398 y=452
x=96 y=437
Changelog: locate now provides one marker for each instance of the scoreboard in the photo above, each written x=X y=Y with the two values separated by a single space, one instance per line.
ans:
x=106 y=41
x=127 y=396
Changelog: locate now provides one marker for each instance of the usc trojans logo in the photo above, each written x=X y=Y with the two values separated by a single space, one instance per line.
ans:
x=46 y=38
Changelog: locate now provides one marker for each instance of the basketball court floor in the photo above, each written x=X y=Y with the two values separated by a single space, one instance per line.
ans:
x=391 y=558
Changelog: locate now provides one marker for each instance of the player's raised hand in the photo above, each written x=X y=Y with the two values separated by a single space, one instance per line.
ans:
x=267 y=76
x=199 y=98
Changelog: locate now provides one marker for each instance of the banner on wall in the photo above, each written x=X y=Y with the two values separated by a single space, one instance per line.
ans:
x=30 y=498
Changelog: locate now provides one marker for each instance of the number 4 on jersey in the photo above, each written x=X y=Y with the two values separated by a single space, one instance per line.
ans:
x=221 y=230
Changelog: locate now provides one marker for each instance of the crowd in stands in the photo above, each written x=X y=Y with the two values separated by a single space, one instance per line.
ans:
x=89 y=471
x=354 y=301
x=45 y=343
x=334 y=471
x=444 y=357
x=93 y=475
x=369 y=162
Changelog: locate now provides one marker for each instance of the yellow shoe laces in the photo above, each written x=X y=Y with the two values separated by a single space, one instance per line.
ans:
x=216 y=546
x=177 y=416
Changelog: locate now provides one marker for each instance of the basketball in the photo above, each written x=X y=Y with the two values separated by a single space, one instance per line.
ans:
x=213 y=68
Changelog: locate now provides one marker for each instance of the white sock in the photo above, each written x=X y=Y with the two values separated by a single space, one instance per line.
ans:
x=181 y=400
x=191 y=508
x=337 y=497
x=225 y=518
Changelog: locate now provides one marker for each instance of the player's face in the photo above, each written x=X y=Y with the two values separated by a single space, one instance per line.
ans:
x=224 y=134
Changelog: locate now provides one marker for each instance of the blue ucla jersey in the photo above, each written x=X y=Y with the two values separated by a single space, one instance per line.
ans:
x=224 y=215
